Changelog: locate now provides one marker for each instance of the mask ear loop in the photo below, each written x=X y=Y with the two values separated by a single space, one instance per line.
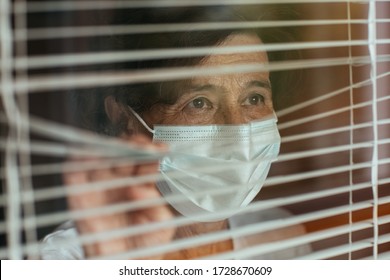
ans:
x=275 y=116
x=141 y=120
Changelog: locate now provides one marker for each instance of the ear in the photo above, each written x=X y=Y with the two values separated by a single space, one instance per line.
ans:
x=118 y=116
x=114 y=110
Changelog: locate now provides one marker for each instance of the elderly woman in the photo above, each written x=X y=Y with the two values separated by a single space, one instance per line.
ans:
x=204 y=122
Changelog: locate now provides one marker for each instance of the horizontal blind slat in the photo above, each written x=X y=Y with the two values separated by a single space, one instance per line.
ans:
x=51 y=6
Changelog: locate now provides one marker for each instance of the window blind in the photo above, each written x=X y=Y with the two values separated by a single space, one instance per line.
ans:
x=331 y=176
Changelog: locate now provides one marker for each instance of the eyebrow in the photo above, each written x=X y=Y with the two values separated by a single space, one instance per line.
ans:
x=205 y=87
x=209 y=87
x=257 y=83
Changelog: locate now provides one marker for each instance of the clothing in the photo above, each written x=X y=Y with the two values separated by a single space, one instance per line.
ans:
x=50 y=249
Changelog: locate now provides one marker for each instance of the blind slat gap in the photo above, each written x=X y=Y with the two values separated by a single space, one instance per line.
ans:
x=50 y=219
x=327 y=132
x=60 y=82
x=43 y=148
x=246 y=230
x=316 y=100
x=330 y=113
x=61 y=60
x=60 y=191
x=291 y=242
x=28 y=248
x=343 y=249
x=115 y=159
x=45 y=33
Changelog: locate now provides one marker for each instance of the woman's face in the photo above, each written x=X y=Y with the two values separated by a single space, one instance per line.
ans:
x=221 y=99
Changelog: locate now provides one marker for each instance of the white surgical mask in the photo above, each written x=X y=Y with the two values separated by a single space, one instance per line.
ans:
x=215 y=167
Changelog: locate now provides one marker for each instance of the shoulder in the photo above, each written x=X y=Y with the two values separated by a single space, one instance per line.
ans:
x=269 y=236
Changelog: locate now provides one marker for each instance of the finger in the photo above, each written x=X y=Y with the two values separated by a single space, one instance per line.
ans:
x=81 y=193
x=145 y=142
x=147 y=189
x=125 y=169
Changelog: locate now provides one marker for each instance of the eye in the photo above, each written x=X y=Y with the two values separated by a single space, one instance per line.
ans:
x=200 y=103
x=254 y=99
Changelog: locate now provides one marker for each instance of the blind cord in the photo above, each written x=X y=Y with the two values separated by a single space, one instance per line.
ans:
x=351 y=139
x=374 y=168
x=23 y=131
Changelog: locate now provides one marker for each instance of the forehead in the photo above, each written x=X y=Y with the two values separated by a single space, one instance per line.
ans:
x=235 y=59
x=240 y=39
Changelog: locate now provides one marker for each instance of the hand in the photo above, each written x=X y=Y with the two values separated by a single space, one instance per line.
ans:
x=119 y=194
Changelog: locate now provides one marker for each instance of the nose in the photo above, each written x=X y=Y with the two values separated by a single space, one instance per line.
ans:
x=232 y=114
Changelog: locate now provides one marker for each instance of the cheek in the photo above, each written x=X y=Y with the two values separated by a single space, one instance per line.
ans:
x=258 y=112
x=172 y=115
x=181 y=118
x=164 y=114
